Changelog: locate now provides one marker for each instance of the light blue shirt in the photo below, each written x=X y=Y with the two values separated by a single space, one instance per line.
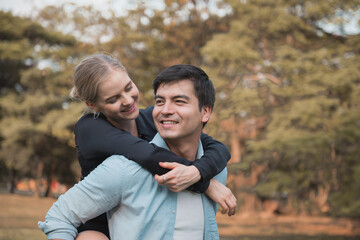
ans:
x=137 y=207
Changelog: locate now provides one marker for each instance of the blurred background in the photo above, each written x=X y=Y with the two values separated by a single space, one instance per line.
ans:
x=287 y=77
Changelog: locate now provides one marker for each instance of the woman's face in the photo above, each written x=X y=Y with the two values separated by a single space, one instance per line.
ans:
x=118 y=98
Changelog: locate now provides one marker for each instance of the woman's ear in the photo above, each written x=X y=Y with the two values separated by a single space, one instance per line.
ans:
x=91 y=105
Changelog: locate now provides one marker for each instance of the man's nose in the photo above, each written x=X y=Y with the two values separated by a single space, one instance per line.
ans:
x=167 y=109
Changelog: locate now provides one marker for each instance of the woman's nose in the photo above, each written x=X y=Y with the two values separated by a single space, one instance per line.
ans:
x=127 y=99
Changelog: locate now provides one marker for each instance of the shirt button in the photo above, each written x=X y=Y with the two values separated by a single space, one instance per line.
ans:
x=173 y=211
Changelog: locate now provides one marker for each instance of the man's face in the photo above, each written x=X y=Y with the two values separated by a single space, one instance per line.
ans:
x=176 y=113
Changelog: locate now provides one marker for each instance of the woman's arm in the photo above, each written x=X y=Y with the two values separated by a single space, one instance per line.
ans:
x=210 y=164
x=223 y=196
x=97 y=139
x=214 y=160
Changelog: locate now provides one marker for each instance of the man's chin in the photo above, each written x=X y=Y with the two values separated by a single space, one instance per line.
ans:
x=166 y=135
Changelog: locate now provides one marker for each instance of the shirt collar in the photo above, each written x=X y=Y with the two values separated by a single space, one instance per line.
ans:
x=160 y=142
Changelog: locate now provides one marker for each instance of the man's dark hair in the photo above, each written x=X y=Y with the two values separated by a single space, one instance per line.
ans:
x=204 y=89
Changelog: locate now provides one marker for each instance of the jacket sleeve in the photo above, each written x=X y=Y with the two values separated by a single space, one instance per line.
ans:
x=216 y=155
x=81 y=202
x=215 y=158
x=97 y=138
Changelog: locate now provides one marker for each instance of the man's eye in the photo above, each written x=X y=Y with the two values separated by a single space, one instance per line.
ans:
x=180 y=101
x=157 y=102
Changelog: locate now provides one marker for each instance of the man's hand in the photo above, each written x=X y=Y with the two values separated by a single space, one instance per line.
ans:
x=223 y=196
x=179 y=178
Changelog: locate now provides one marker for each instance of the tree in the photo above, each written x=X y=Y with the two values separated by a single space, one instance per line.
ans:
x=17 y=45
x=30 y=95
x=276 y=62
x=148 y=40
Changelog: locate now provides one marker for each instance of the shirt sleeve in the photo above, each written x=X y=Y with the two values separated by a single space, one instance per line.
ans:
x=87 y=199
x=221 y=177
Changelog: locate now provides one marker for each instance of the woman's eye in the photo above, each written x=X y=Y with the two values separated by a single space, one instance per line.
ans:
x=128 y=88
x=112 y=100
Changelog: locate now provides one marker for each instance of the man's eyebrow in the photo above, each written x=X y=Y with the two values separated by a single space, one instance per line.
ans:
x=174 y=97
x=158 y=96
x=181 y=96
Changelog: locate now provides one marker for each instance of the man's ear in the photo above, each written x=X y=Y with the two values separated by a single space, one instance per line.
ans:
x=206 y=112
x=91 y=105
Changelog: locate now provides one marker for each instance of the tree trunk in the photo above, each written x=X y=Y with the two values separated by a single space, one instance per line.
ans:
x=334 y=170
x=323 y=190
x=256 y=169
x=12 y=182
x=39 y=174
x=50 y=179
x=235 y=148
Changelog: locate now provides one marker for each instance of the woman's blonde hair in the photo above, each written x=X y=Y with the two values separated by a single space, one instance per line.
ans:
x=88 y=75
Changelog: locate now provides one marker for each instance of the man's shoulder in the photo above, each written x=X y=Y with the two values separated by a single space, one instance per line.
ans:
x=119 y=161
x=120 y=165
x=116 y=174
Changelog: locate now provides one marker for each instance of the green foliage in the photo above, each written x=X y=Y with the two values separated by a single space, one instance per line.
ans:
x=276 y=185
x=306 y=81
x=19 y=39
x=346 y=202
x=268 y=60
x=147 y=39
x=29 y=96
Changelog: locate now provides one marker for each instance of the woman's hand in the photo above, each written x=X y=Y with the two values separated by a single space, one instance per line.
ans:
x=223 y=196
x=179 y=178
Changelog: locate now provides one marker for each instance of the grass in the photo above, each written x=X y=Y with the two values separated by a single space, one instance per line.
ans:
x=19 y=216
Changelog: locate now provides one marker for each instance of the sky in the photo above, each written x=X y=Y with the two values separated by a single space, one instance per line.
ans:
x=30 y=7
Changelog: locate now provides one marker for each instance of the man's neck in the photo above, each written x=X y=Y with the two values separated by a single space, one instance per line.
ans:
x=184 y=147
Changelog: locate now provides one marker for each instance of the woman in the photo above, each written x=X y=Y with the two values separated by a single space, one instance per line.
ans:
x=116 y=127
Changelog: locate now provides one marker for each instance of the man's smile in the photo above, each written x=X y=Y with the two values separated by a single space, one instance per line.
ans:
x=168 y=122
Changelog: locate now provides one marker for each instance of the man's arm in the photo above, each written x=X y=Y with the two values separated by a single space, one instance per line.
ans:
x=99 y=192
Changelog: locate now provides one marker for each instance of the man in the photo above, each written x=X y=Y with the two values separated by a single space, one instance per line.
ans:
x=137 y=206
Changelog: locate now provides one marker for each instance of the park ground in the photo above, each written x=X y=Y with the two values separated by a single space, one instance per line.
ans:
x=19 y=216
